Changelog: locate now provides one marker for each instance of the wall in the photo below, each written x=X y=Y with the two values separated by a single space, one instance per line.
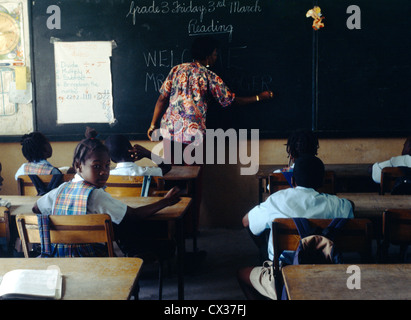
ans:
x=20 y=121
x=227 y=195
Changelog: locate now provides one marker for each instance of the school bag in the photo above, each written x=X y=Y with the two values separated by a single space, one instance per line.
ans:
x=317 y=246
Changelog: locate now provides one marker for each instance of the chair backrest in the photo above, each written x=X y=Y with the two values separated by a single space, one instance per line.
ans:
x=356 y=236
x=397 y=226
x=26 y=186
x=130 y=186
x=389 y=175
x=329 y=183
x=89 y=228
x=5 y=224
x=277 y=181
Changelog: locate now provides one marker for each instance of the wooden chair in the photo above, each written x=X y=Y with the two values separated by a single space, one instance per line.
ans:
x=277 y=181
x=131 y=186
x=396 y=231
x=89 y=228
x=329 y=183
x=26 y=186
x=389 y=175
x=355 y=237
x=5 y=229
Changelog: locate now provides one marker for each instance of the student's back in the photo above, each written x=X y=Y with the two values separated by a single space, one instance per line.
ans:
x=300 y=201
x=36 y=149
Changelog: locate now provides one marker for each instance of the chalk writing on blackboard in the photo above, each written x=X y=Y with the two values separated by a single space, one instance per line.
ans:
x=83 y=82
x=200 y=24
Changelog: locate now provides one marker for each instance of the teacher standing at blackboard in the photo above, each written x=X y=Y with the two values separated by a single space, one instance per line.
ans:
x=185 y=94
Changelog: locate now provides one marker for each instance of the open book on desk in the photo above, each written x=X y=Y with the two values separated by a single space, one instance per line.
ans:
x=31 y=284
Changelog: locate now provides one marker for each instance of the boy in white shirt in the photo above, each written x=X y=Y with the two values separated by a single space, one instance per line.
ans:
x=301 y=201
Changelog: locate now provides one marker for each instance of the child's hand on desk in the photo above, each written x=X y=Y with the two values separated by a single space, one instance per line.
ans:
x=139 y=152
x=173 y=196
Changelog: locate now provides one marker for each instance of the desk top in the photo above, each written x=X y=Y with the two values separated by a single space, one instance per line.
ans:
x=378 y=281
x=24 y=204
x=182 y=173
x=86 y=278
x=341 y=170
x=373 y=204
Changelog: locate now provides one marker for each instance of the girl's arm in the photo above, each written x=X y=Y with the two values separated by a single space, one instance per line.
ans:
x=140 y=213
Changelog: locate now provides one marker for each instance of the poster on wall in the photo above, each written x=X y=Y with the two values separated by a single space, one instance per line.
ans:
x=11 y=35
x=83 y=82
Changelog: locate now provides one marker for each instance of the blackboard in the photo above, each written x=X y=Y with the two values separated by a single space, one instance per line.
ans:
x=324 y=80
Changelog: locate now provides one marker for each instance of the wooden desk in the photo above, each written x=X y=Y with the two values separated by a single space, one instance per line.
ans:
x=186 y=178
x=86 y=278
x=349 y=177
x=23 y=205
x=329 y=282
x=372 y=205
x=182 y=173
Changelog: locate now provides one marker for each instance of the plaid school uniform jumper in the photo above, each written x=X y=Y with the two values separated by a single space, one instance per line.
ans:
x=72 y=200
x=38 y=168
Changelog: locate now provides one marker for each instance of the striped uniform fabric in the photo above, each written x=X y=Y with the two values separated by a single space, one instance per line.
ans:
x=72 y=200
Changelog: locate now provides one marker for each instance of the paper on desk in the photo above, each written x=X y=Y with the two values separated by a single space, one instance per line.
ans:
x=31 y=284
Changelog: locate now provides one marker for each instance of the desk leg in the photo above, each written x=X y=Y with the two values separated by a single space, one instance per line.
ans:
x=180 y=257
x=260 y=190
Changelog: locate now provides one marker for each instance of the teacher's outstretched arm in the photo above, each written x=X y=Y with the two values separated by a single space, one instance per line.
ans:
x=263 y=96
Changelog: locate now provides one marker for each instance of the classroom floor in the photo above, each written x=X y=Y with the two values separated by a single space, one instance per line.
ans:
x=214 y=277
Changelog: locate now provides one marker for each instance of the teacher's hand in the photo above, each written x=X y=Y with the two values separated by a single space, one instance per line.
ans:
x=150 y=131
x=266 y=95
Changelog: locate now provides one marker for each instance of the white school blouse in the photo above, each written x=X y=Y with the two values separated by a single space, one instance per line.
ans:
x=298 y=202
x=399 y=161
x=131 y=169
x=99 y=201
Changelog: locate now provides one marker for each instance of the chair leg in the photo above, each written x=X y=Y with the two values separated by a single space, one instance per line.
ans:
x=403 y=252
x=160 y=279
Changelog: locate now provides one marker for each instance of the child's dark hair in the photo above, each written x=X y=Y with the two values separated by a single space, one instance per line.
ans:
x=309 y=171
x=203 y=47
x=33 y=146
x=87 y=146
x=302 y=142
x=119 y=147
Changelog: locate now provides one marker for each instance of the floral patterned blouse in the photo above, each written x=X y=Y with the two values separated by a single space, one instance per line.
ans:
x=188 y=87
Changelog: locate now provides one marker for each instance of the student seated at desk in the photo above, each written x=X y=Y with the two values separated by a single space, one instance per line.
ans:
x=404 y=160
x=300 y=142
x=85 y=195
x=122 y=153
x=300 y=201
x=36 y=149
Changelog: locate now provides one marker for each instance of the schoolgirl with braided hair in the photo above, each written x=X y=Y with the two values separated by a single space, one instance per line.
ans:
x=85 y=194
x=36 y=148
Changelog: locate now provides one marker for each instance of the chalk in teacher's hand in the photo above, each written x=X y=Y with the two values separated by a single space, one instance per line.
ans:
x=315 y=13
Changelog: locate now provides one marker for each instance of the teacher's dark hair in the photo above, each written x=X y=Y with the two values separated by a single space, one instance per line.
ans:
x=203 y=47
